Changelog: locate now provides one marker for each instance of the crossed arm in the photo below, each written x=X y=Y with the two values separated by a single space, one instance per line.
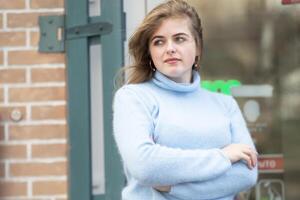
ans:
x=155 y=165
x=242 y=174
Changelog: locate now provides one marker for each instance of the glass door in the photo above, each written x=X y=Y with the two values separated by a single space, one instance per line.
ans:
x=255 y=45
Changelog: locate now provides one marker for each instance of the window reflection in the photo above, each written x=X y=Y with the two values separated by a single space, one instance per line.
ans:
x=257 y=43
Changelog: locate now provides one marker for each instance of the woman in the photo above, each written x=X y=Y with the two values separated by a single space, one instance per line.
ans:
x=176 y=140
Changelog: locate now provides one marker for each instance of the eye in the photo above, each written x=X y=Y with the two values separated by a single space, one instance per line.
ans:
x=158 y=42
x=180 y=39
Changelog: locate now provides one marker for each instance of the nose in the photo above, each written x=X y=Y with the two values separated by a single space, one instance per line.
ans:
x=171 y=49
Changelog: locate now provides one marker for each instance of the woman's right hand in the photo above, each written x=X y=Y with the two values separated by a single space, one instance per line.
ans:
x=162 y=188
x=237 y=152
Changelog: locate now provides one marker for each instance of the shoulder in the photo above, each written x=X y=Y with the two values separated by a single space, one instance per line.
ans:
x=140 y=93
x=226 y=102
x=134 y=90
x=224 y=98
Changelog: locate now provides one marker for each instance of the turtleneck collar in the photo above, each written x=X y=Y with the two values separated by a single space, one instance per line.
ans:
x=164 y=82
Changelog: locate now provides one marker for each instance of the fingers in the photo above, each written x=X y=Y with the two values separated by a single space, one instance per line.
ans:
x=254 y=158
x=162 y=188
x=246 y=157
x=236 y=152
x=250 y=156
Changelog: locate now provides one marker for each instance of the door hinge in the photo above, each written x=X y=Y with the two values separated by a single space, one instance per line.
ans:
x=54 y=34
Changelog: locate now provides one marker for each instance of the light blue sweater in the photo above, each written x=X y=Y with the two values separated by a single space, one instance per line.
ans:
x=171 y=134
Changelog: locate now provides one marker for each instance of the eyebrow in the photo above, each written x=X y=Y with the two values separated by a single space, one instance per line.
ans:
x=178 y=34
x=156 y=37
x=160 y=36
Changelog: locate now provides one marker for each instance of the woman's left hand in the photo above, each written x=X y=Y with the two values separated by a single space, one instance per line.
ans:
x=162 y=188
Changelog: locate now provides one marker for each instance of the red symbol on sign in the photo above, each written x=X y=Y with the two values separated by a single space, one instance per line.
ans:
x=290 y=1
x=270 y=163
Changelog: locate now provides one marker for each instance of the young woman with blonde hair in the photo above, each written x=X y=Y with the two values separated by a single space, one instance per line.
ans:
x=177 y=140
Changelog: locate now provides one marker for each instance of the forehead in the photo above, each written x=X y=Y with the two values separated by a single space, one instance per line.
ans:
x=172 y=26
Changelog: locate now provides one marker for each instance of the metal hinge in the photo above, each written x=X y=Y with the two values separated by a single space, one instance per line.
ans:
x=54 y=34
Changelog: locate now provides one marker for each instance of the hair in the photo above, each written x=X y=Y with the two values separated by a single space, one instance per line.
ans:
x=141 y=69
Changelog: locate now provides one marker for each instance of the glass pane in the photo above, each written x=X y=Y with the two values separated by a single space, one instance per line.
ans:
x=94 y=8
x=98 y=171
x=254 y=45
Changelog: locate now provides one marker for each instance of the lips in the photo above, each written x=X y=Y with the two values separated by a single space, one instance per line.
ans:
x=172 y=60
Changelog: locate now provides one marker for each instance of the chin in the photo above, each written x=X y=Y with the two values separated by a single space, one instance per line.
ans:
x=172 y=74
x=174 y=77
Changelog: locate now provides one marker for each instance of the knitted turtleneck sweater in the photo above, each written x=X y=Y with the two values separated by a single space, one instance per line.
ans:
x=171 y=134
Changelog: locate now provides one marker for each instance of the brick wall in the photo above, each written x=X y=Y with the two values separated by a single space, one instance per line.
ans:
x=33 y=150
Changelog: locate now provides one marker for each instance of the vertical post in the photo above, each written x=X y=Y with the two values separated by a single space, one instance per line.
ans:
x=78 y=104
x=112 y=44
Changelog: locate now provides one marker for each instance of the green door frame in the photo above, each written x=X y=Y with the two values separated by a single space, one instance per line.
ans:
x=79 y=117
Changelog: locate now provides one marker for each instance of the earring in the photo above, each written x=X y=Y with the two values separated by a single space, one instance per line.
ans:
x=152 y=68
x=196 y=63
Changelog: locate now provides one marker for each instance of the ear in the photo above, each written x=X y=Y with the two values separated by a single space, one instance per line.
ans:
x=198 y=57
x=199 y=48
x=199 y=53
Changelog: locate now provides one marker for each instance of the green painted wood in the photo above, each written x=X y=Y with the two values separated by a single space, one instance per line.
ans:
x=48 y=27
x=112 y=61
x=80 y=187
x=78 y=104
x=88 y=30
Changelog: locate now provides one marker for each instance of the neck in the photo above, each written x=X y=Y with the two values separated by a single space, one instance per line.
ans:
x=184 y=79
x=165 y=82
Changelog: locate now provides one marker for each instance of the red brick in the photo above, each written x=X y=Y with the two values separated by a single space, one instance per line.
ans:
x=22 y=20
x=47 y=4
x=1 y=57
x=1 y=95
x=12 y=151
x=1 y=133
x=34 y=38
x=36 y=94
x=12 y=76
x=48 y=150
x=9 y=188
x=1 y=21
x=5 y=112
x=38 y=169
x=43 y=132
x=12 y=38
x=12 y=4
x=2 y=170
x=48 y=75
x=25 y=20
x=49 y=187
x=34 y=57
x=48 y=112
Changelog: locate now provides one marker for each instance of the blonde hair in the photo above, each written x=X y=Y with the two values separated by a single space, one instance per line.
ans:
x=141 y=69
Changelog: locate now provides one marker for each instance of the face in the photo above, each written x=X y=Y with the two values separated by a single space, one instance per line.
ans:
x=173 y=49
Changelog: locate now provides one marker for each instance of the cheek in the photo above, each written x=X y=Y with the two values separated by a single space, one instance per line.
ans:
x=155 y=54
x=190 y=57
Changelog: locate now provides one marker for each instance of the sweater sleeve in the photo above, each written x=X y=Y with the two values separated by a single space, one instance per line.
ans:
x=238 y=178
x=235 y=180
x=153 y=164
